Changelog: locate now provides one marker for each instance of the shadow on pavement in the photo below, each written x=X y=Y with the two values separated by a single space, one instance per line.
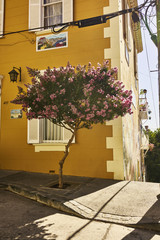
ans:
x=155 y=221
x=18 y=216
x=102 y=207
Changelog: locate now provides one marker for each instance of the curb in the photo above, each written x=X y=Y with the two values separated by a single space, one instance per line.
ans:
x=38 y=197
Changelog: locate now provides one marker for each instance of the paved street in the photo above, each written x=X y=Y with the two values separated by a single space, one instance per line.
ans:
x=109 y=210
x=17 y=216
x=24 y=219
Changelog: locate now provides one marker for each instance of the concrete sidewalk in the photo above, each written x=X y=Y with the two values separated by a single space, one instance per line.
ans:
x=131 y=204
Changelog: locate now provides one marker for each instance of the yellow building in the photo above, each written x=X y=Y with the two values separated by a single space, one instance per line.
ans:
x=109 y=151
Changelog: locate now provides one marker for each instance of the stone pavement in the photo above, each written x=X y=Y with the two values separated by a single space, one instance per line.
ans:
x=124 y=203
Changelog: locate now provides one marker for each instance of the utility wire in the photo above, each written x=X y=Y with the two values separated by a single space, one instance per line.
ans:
x=150 y=78
x=83 y=22
x=32 y=41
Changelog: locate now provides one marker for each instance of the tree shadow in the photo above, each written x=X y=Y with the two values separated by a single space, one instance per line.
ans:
x=32 y=182
x=93 y=218
x=150 y=222
x=19 y=218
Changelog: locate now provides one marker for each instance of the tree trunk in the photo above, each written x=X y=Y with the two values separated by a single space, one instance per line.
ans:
x=61 y=162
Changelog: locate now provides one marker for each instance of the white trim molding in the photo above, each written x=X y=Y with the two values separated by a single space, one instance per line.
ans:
x=116 y=143
x=1 y=77
x=48 y=147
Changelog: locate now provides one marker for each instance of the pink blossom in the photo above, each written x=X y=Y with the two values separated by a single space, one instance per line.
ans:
x=91 y=81
x=115 y=69
x=94 y=107
x=100 y=91
x=82 y=116
x=52 y=96
x=89 y=116
x=98 y=113
x=74 y=109
x=54 y=107
x=62 y=91
x=70 y=80
x=53 y=78
x=85 y=92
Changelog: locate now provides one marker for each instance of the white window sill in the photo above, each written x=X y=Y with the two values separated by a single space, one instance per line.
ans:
x=46 y=31
x=49 y=30
x=48 y=147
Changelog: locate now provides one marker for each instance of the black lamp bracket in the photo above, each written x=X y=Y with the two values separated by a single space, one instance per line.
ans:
x=19 y=69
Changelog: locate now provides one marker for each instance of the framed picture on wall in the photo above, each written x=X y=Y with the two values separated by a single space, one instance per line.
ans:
x=16 y=113
x=52 y=41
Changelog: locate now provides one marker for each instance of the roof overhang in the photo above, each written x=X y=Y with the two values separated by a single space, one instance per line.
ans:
x=136 y=28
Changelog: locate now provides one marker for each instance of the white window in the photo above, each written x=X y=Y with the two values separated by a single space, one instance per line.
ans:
x=52 y=132
x=44 y=131
x=51 y=12
x=126 y=30
x=1 y=16
x=43 y=13
x=126 y=24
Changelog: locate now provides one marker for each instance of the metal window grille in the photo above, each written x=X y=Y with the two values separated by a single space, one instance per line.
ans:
x=52 y=132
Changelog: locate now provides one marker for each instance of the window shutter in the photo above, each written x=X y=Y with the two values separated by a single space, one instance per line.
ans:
x=67 y=11
x=67 y=135
x=1 y=16
x=34 y=131
x=34 y=14
x=124 y=19
x=129 y=35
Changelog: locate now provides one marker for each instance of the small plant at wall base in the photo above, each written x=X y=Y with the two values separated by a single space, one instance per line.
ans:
x=74 y=98
x=152 y=156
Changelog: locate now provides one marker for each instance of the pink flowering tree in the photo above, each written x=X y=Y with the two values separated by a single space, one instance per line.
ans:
x=74 y=98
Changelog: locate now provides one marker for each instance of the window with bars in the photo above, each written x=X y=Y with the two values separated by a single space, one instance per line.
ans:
x=52 y=132
x=51 y=12
x=44 y=131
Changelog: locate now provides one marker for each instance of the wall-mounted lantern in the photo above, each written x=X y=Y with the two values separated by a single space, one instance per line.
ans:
x=14 y=74
x=145 y=92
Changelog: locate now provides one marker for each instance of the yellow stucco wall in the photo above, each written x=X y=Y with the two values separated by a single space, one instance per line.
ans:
x=89 y=154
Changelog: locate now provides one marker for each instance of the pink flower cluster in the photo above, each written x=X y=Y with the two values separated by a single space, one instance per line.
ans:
x=75 y=95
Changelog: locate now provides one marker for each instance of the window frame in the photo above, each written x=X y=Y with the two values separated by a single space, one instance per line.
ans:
x=36 y=136
x=1 y=18
x=126 y=25
x=35 y=14
x=43 y=9
x=126 y=31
